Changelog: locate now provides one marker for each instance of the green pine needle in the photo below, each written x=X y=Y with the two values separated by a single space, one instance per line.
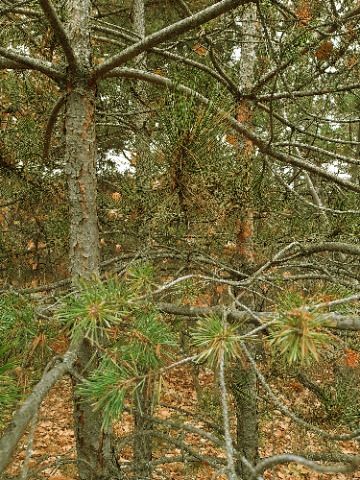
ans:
x=214 y=336
x=299 y=336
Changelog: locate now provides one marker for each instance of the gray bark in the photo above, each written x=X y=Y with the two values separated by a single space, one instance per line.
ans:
x=80 y=159
x=166 y=33
x=263 y=146
x=142 y=441
x=244 y=390
x=26 y=412
x=243 y=377
x=12 y=59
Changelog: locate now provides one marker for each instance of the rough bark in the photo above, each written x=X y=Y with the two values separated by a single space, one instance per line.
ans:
x=93 y=444
x=244 y=390
x=80 y=159
x=243 y=377
x=143 y=442
x=246 y=148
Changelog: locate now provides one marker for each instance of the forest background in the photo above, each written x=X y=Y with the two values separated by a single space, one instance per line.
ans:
x=179 y=200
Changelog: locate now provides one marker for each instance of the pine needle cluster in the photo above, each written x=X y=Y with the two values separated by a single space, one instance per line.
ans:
x=298 y=335
x=133 y=339
x=216 y=338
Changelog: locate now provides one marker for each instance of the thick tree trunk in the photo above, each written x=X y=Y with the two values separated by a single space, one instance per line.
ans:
x=94 y=451
x=92 y=443
x=80 y=159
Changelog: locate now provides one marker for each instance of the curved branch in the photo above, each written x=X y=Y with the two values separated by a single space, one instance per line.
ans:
x=263 y=146
x=332 y=320
x=340 y=247
x=59 y=31
x=50 y=125
x=270 y=462
x=284 y=409
x=168 y=32
x=166 y=54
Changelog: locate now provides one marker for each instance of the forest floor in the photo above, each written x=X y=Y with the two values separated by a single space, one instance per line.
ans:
x=54 y=451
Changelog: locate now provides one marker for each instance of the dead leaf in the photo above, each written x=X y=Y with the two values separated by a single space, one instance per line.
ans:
x=200 y=50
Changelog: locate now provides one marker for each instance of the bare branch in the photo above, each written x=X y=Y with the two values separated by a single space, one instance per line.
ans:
x=271 y=462
x=50 y=125
x=164 y=53
x=263 y=146
x=11 y=65
x=302 y=130
x=320 y=151
x=26 y=412
x=310 y=249
x=168 y=32
x=292 y=191
x=310 y=93
x=284 y=409
x=60 y=32
x=17 y=8
x=332 y=320
x=31 y=63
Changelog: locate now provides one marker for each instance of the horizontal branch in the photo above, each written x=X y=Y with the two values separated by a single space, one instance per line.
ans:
x=270 y=462
x=22 y=417
x=297 y=128
x=5 y=63
x=331 y=320
x=263 y=146
x=160 y=36
x=305 y=250
x=300 y=94
x=31 y=63
x=320 y=151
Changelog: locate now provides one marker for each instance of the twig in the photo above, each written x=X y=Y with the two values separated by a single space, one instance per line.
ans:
x=29 y=448
x=289 y=413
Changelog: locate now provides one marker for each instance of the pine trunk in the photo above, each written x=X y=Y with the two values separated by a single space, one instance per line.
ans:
x=243 y=378
x=94 y=450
